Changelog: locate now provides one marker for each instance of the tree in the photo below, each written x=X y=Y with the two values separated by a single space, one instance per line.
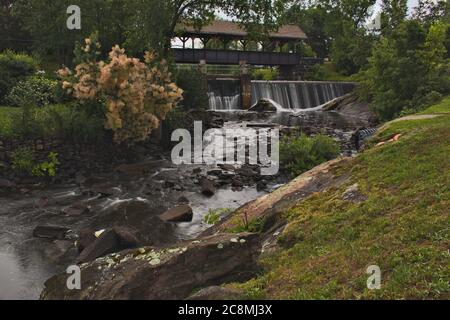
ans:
x=407 y=69
x=155 y=22
x=45 y=21
x=11 y=34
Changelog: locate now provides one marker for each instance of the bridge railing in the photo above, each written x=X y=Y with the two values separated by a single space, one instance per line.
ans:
x=235 y=57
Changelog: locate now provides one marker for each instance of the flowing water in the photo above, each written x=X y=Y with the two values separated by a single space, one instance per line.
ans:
x=224 y=93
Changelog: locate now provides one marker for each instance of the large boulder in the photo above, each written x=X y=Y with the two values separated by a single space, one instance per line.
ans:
x=50 y=232
x=162 y=274
x=181 y=213
x=264 y=105
x=208 y=187
x=109 y=241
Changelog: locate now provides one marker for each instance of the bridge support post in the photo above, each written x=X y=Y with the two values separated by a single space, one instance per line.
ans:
x=246 y=86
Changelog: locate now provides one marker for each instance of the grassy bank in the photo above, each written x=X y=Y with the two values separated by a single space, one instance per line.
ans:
x=403 y=226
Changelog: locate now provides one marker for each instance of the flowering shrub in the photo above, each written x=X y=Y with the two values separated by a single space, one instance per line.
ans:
x=136 y=95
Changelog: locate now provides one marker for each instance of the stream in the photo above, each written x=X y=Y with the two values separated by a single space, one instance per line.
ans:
x=116 y=199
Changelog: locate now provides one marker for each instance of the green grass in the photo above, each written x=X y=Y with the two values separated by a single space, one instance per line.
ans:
x=403 y=227
x=6 y=119
x=442 y=107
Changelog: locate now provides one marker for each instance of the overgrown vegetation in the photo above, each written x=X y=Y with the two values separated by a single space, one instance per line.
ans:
x=214 y=216
x=14 y=67
x=403 y=226
x=23 y=161
x=299 y=154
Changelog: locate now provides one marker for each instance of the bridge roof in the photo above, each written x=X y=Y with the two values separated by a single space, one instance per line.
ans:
x=219 y=28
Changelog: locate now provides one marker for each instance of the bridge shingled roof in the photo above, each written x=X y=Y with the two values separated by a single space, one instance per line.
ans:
x=219 y=28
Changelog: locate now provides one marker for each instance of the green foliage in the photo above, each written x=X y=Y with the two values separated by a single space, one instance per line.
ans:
x=300 y=154
x=266 y=74
x=326 y=72
x=36 y=90
x=351 y=50
x=246 y=225
x=406 y=68
x=14 y=67
x=214 y=216
x=194 y=87
x=23 y=161
x=47 y=168
x=65 y=121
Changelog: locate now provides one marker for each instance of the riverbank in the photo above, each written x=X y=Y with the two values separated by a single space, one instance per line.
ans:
x=312 y=238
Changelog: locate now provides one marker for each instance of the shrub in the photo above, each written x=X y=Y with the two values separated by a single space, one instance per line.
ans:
x=64 y=121
x=193 y=83
x=214 y=216
x=23 y=161
x=266 y=74
x=136 y=95
x=300 y=154
x=14 y=67
x=36 y=90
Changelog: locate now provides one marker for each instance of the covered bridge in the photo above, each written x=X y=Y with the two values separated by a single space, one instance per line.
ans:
x=226 y=43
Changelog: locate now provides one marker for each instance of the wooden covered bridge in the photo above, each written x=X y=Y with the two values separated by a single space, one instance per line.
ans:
x=226 y=43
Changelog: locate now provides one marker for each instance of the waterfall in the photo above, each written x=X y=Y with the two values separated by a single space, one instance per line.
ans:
x=299 y=94
x=224 y=93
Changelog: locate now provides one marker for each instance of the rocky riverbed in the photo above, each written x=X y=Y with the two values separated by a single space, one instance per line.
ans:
x=150 y=204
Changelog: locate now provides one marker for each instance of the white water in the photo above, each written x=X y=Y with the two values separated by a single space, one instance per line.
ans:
x=299 y=94
x=285 y=95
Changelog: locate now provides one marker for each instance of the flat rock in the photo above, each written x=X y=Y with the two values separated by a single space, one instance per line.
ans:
x=162 y=274
x=50 y=232
x=181 y=213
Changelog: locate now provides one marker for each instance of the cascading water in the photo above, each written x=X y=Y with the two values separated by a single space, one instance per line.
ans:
x=224 y=94
x=299 y=94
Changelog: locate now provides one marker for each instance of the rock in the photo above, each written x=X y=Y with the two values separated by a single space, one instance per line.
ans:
x=139 y=168
x=6 y=184
x=181 y=213
x=127 y=237
x=353 y=194
x=236 y=183
x=208 y=187
x=163 y=274
x=246 y=172
x=264 y=105
x=50 y=232
x=196 y=170
x=216 y=293
x=76 y=209
x=226 y=167
x=85 y=239
x=261 y=185
x=108 y=242
x=215 y=172
x=183 y=200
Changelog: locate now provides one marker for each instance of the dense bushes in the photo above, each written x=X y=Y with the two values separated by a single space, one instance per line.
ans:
x=266 y=74
x=36 y=90
x=302 y=153
x=14 y=67
x=68 y=122
x=195 y=91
